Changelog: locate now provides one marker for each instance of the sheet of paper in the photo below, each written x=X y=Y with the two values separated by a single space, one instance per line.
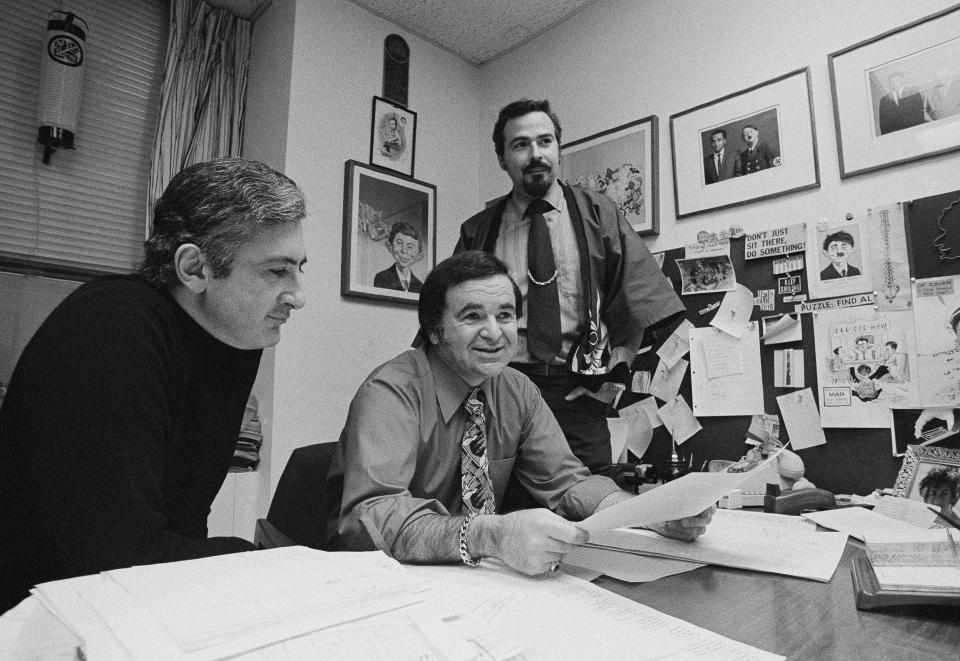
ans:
x=855 y=520
x=679 y=419
x=677 y=345
x=796 y=552
x=735 y=310
x=224 y=605
x=640 y=382
x=782 y=329
x=788 y=368
x=802 y=419
x=639 y=431
x=723 y=356
x=562 y=617
x=649 y=404
x=683 y=497
x=914 y=512
x=619 y=429
x=734 y=394
x=628 y=567
x=667 y=380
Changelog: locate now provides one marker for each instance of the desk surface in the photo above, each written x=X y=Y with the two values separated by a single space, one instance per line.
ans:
x=799 y=618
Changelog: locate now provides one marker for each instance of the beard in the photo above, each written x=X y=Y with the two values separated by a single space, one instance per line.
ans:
x=537 y=184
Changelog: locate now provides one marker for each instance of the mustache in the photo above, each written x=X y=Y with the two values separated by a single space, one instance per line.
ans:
x=537 y=165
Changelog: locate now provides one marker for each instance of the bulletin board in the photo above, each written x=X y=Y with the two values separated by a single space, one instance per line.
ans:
x=854 y=460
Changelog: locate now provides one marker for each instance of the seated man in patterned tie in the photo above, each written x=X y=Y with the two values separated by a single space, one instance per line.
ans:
x=433 y=436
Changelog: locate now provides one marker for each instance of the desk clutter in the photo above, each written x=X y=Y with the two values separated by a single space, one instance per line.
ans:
x=295 y=602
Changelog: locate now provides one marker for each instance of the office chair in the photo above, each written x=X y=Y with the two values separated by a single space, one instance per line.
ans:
x=302 y=502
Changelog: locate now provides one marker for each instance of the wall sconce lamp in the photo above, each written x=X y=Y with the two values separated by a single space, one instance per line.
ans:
x=61 y=78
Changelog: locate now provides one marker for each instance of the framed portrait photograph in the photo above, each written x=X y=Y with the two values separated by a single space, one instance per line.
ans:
x=393 y=136
x=753 y=144
x=389 y=234
x=621 y=163
x=896 y=96
x=918 y=463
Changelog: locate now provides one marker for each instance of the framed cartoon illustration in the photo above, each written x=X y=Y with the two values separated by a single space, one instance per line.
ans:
x=622 y=163
x=393 y=136
x=753 y=144
x=896 y=96
x=389 y=234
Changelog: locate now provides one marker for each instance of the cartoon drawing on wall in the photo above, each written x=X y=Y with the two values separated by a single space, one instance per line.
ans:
x=835 y=259
x=864 y=366
x=937 y=302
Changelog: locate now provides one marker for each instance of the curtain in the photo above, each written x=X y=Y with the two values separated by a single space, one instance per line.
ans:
x=203 y=91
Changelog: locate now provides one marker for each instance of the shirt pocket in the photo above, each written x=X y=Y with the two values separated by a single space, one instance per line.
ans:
x=500 y=471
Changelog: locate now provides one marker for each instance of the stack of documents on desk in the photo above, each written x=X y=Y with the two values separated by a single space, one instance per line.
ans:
x=890 y=513
x=773 y=543
x=268 y=604
x=915 y=560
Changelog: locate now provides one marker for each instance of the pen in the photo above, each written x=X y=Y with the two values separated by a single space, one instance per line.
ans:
x=950 y=521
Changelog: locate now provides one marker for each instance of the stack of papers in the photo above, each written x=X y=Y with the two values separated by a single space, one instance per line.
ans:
x=268 y=604
x=773 y=543
x=914 y=560
x=890 y=513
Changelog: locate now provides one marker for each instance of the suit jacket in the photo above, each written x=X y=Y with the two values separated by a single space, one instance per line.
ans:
x=831 y=273
x=727 y=167
x=940 y=102
x=762 y=157
x=388 y=279
x=626 y=290
x=897 y=116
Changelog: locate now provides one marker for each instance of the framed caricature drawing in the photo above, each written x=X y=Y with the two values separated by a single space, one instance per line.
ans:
x=393 y=136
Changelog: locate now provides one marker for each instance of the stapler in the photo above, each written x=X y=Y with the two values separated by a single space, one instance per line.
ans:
x=797 y=501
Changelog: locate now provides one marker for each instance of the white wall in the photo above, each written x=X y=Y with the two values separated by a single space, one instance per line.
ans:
x=614 y=62
x=337 y=67
x=620 y=60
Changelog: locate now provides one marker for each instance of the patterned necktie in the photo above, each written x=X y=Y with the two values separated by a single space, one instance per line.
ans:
x=543 y=300
x=475 y=485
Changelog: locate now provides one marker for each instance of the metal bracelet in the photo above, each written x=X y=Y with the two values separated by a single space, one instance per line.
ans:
x=462 y=536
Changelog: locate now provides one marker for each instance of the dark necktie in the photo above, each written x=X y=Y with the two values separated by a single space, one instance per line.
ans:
x=475 y=485
x=543 y=301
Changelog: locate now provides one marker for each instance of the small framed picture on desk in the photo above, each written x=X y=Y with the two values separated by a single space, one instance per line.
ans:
x=934 y=465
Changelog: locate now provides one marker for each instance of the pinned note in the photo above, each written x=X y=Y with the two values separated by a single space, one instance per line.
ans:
x=802 y=419
x=788 y=368
x=735 y=310
x=666 y=380
x=736 y=392
x=679 y=419
x=677 y=345
x=782 y=329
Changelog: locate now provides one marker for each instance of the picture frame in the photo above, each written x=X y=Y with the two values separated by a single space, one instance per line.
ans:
x=623 y=163
x=779 y=158
x=887 y=105
x=393 y=136
x=379 y=207
x=917 y=462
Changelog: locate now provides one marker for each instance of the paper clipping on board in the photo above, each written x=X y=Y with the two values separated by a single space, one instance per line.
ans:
x=739 y=393
x=866 y=363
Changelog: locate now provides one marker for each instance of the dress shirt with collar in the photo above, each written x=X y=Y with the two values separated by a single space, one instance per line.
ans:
x=511 y=247
x=399 y=452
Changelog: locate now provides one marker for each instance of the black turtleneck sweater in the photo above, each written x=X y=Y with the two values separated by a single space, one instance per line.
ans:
x=115 y=436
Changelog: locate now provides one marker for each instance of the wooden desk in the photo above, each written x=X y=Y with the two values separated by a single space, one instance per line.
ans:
x=799 y=618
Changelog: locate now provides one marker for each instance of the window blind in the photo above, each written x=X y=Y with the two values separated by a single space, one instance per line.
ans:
x=86 y=209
